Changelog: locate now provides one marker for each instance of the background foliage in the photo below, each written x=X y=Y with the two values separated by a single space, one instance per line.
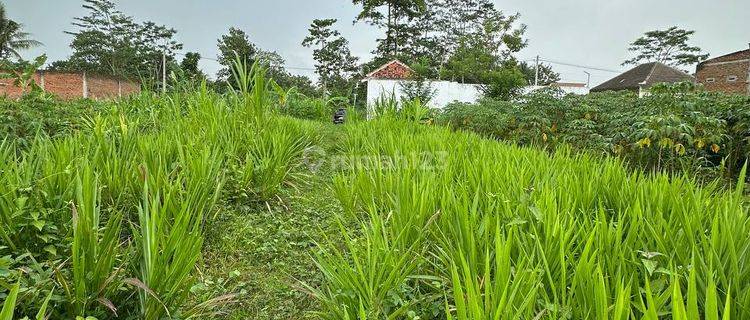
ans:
x=677 y=128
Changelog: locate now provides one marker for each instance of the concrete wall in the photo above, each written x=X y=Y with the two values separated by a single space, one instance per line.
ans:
x=565 y=89
x=446 y=92
x=70 y=86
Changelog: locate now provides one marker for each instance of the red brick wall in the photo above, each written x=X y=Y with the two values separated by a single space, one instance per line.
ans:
x=129 y=88
x=70 y=86
x=721 y=68
x=720 y=74
x=64 y=85
x=8 y=89
x=739 y=55
x=102 y=88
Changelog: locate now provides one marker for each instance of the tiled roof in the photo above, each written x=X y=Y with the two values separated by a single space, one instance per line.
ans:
x=391 y=70
x=644 y=76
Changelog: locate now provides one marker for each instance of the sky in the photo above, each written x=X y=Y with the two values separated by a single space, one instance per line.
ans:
x=590 y=33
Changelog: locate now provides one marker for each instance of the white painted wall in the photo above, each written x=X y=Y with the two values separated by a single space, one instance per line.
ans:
x=446 y=92
x=565 y=89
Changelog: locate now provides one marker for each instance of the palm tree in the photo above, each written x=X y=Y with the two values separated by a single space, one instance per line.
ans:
x=12 y=36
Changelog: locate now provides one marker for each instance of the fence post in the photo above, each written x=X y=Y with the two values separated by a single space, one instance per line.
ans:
x=119 y=88
x=85 y=86
x=41 y=79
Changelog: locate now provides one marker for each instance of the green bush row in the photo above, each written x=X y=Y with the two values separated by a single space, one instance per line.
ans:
x=675 y=129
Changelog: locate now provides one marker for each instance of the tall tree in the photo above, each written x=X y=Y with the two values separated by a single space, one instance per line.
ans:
x=232 y=45
x=111 y=42
x=395 y=16
x=479 y=22
x=666 y=46
x=12 y=37
x=546 y=74
x=237 y=44
x=479 y=39
x=189 y=66
x=334 y=63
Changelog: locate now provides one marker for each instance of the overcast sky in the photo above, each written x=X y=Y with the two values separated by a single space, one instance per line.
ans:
x=592 y=33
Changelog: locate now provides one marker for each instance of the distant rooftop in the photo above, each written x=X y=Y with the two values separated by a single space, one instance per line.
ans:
x=644 y=76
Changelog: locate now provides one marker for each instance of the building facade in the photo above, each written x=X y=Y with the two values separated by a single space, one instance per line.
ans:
x=69 y=86
x=388 y=82
x=728 y=73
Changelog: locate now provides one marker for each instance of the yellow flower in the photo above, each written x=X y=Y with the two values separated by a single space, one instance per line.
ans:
x=679 y=149
x=700 y=144
x=645 y=142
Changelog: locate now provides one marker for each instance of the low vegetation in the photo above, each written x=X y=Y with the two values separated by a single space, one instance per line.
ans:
x=195 y=204
x=455 y=226
x=110 y=220
x=677 y=129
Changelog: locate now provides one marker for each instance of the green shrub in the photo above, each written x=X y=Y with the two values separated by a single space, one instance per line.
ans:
x=22 y=120
x=675 y=129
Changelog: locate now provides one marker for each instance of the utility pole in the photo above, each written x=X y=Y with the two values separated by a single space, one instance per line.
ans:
x=163 y=72
x=588 y=79
x=748 y=74
x=536 y=73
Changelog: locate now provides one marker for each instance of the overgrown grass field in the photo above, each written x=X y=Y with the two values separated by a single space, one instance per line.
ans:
x=200 y=205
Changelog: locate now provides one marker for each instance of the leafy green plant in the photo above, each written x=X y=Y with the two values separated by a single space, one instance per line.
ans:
x=169 y=240
x=24 y=77
x=95 y=250
x=677 y=128
x=10 y=303
x=271 y=161
x=522 y=233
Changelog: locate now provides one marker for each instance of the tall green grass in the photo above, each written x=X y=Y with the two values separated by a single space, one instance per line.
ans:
x=117 y=211
x=436 y=224
x=94 y=250
x=482 y=230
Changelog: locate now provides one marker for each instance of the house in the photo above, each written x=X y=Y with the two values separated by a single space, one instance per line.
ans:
x=642 y=77
x=729 y=73
x=388 y=80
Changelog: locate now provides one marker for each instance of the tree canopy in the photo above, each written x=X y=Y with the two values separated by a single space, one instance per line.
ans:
x=547 y=75
x=237 y=44
x=110 y=42
x=334 y=63
x=396 y=17
x=232 y=45
x=668 y=46
x=12 y=37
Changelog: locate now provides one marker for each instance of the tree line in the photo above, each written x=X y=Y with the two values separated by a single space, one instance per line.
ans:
x=468 y=41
